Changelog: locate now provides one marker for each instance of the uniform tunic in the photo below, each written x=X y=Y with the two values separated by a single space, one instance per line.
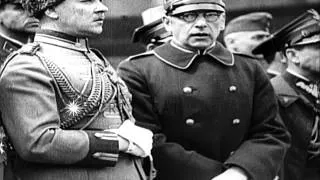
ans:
x=298 y=113
x=215 y=109
x=57 y=98
x=8 y=45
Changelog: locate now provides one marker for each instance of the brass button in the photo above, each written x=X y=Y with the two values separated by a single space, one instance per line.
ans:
x=318 y=101
x=236 y=121
x=187 y=90
x=232 y=88
x=190 y=122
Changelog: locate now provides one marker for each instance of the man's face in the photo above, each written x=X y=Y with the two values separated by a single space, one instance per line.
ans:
x=81 y=18
x=244 y=42
x=195 y=29
x=15 y=18
x=309 y=58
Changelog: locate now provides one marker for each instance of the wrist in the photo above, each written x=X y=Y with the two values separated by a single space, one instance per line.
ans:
x=123 y=144
x=130 y=147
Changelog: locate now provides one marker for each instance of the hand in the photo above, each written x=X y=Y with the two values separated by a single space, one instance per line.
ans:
x=141 y=137
x=233 y=173
x=133 y=149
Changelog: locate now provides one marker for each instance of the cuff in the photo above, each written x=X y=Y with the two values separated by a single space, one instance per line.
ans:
x=103 y=149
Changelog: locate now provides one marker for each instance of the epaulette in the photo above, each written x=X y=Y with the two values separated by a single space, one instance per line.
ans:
x=286 y=95
x=30 y=48
x=244 y=55
x=147 y=53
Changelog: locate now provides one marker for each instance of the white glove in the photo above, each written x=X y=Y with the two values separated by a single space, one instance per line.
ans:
x=233 y=173
x=140 y=137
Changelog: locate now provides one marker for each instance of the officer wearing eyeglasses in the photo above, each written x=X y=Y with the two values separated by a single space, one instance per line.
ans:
x=214 y=113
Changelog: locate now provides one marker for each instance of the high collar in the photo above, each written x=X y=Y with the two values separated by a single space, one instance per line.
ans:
x=62 y=40
x=183 y=58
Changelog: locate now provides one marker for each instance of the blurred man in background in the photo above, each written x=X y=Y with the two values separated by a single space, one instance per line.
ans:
x=17 y=27
x=244 y=33
x=152 y=33
x=298 y=91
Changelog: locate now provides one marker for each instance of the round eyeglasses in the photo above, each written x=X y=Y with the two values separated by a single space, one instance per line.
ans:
x=192 y=16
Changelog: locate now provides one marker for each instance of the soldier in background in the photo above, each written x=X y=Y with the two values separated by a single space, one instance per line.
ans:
x=17 y=27
x=298 y=91
x=152 y=33
x=244 y=33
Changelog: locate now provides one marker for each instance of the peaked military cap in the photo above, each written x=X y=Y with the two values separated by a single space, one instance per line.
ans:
x=9 y=1
x=37 y=6
x=305 y=29
x=179 y=6
x=256 y=21
x=152 y=29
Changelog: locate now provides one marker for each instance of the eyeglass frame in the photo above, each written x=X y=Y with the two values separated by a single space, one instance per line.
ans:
x=182 y=16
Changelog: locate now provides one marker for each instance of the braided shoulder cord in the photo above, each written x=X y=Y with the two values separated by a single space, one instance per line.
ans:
x=88 y=105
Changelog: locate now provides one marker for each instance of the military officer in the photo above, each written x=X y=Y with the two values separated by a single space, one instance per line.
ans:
x=244 y=33
x=298 y=93
x=66 y=112
x=16 y=27
x=152 y=33
x=214 y=112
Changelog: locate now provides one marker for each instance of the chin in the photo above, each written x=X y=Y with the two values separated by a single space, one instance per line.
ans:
x=202 y=46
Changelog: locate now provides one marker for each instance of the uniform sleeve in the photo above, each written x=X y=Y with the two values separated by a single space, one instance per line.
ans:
x=268 y=140
x=168 y=156
x=31 y=118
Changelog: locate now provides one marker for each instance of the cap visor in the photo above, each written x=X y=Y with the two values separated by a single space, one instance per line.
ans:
x=195 y=7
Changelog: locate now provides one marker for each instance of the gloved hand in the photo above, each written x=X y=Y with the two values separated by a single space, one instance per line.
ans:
x=233 y=173
x=140 y=137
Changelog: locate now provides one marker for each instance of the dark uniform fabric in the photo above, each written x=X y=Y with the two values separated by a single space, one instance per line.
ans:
x=298 y=113
x=215 y=108
x=57 y=99
x=7 y=45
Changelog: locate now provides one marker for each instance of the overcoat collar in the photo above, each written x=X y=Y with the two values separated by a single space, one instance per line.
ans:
x=286 y=90
x=182 y=58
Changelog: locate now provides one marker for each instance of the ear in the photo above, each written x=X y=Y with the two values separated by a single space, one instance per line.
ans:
x=222 y=22
x=51 y=13
x=1 y=17
x=292 y=56
x=228 y=41
x=167 y=23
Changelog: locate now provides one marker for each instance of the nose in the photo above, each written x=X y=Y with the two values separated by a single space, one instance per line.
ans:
x=201 y=21
x=101 y=7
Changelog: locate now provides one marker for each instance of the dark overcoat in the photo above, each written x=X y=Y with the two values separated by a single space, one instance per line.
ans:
x=215 y=108
x=298 y=115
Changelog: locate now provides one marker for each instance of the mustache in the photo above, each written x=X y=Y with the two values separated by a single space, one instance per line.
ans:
x=100 y=15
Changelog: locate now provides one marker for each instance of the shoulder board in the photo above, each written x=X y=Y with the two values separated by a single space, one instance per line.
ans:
x=29 y=48
x=147 y=53
x=245 y=55
x=286 y=95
